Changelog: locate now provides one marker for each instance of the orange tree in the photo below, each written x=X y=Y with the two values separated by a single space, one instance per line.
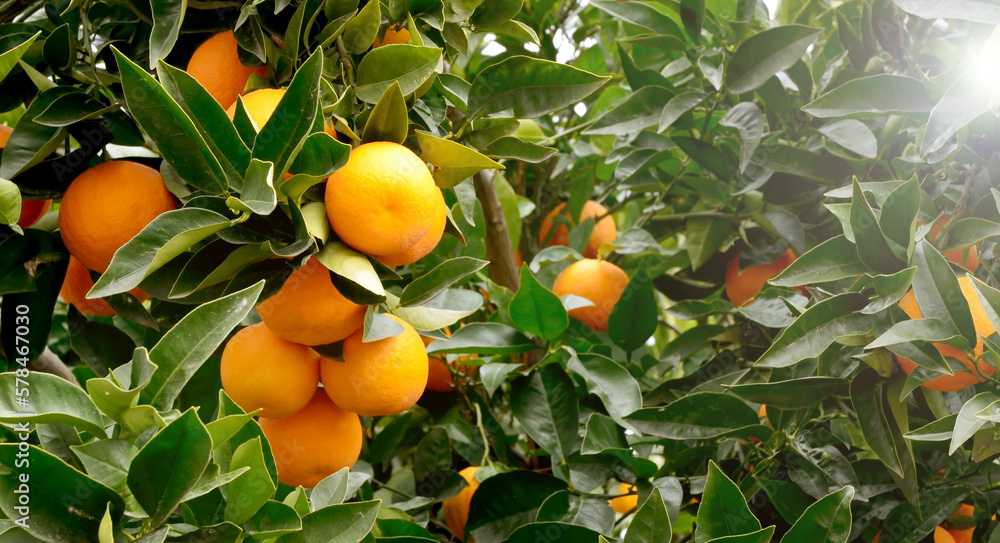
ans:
x=668 y=271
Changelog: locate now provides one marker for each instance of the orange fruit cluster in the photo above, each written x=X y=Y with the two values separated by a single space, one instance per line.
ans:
x=944 y=534
x=743 y=286
x=984 y=327
x=604 y=230
x=216 y=65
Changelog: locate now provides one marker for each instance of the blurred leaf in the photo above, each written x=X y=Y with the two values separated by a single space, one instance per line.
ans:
x=971 y=10
x=640 y=14
x=536 y=309
x=529 y=88
x=641 y=110
x=408 y=65
x=186 y=346
x=936 y=505
x=767 y=53
x=829 y=519
x=388 y=120
x=547 y=407
x=169 y=465
x=693 y=16
x=967 y=99
x=873 y=96
x=723 y=510
x=704 y=237
x=818 y=328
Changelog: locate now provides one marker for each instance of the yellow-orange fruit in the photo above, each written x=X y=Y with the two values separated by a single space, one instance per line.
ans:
x=456 y=508
x=318 y=441
x=625 y=504
x=262 y=371
x=969 y=260
x=984 y=327
x=78 y=283
x=378 y=378
x=216 y=65
x=384 y=200
x=426 y=244
x=600 y=282
x=260 y=105
x=309 y=309
x=604 y=231
x=741 y=287
x=392 y=37
x=107 y=205
x=964 y=535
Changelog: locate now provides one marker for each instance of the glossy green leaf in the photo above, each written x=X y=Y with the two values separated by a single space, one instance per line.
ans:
x=554 y=532
x=937 y=290
x=536 y=309
x=818 y=328
x=31 y=142
x=651 y=523
x=10 y=57
x=936 y=504
x=387 y=120
x=635 y=317
x=639 y=111
x=833 y=259
x=829 y=519
x=765 y=54
x=853 y=135
x=547 y=407
x=880 y=430
x=409 y=65
x=701 y=415
x=529 y=87
x=611 y=382
x=640 y=14
x=360 y=31
x=274 y=519
x=873 y=96
x=168 y=17
x=678 y=106
x=967 y=423
x=492 y=520
x=484 y=338
x=939 y=430
x=293 y=118
x=49 y=400
x=332 y=490
x=439 y=279
x=723 y=510
x=800 y=393
x=445 y=309
x=495 y=374
x=10 y=202
x=453 y=161
x=250 y=491
x=357 y=279
x=343 y=523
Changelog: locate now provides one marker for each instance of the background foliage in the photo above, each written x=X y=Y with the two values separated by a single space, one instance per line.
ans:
x=707 y=127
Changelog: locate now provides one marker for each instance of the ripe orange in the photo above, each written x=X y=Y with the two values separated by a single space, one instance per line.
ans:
x=971 y=257
x=107 y=205
x=456 y=508
x=983 y=326
x=78 y=283
x=600 y=282
x=378 y=378
x=31 y=210
x=439 y=376
x=426 y=244
x=319 y=440
x=262 y=371
x=309 y=309
x=741 y=287
x=260 y=104
x=384 y=200
x=942 y=536
x=963 y=536
x=604 y=231
x=216 y=65
x=392 y=37
x=625 y=504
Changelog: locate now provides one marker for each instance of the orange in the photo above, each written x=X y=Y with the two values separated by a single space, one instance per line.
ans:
x=600 y=282
x=456 y=508
x=392 y=37
x=426 y=244
x=983 y=326
x=625 y=504
x=384 y=200
x=31 y=210
x=604 y=231
x=262 y=371
x=107 y=205
x=309 y=309
x=963 y=536
x=942 y=536
x=378 y=378
x=78 y=283
x=970 y=260
x=741 y=287
x=318 y=441
x=216 y=65
x=439 y=376
x=260 y=104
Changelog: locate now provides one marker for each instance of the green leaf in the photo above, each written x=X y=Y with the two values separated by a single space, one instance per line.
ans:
x=818 y=328
x=166 y=237
x=972 y=10
x=107 y=460
x=226 y=427
x=492 y=520
x=547 y=407
x=936 y=504
x=966 y=100
x=388 y=119
x=536 y=309
x=360 y=31
x=274 y=519
x=258 y=195
x=853 y=135
x=250 y=491
x=800 y=393
x=693 y=16
x=186 y=346
x=528 y=87
x=53 y=514
x=453 y=161
x=293 y=118
x=706 y=155
x=704 y=237
x=763 y=535
x=829 y=519
x=31 y=142
x=635 y=317
x=357 y=279
x=937 y=291
x=439 y=279
x=651 y=523
x=765 y=54
x=967 y=423
x=639 y=111
x=484 y=338
x=118 y=392
x=569 y=508
x=343 y=523
x=701 y=415
x=835 y=258
x=878 y=426
x=168 y=17
x=409 y=65
x=678 y=106
x=10 y=57
x=898 y=218
x=496 y=12
x=495 y=374
x=445 y=309
x=330 y=491
x=52 y=400
x=174 y=133
x=611 y=382
x=918 y=330
x=169 y=465
x=640 y=14
x=873 y=96
x=518 y=149
x=939 y=430
x=970 y=231
x=10 y=202
x=872 y=245
x=552 y=532
x=723 y=510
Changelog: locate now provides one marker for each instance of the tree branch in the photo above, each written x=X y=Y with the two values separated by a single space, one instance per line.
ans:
x=49 y=362
x=498 y=247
